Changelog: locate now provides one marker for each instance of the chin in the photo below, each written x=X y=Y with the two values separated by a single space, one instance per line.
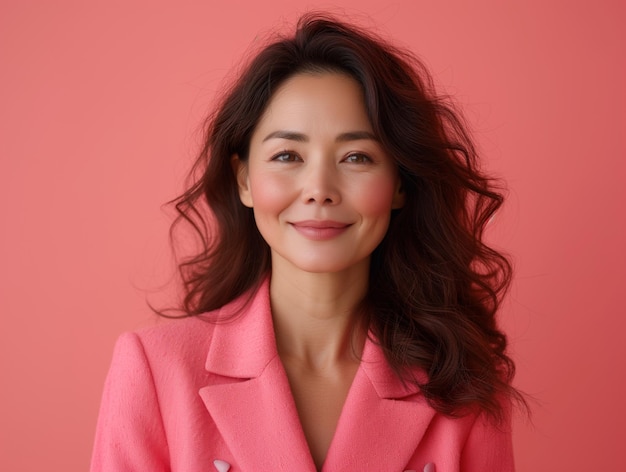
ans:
x=327 y=265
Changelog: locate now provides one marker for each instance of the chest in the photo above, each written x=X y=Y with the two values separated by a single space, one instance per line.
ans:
x=319 y=397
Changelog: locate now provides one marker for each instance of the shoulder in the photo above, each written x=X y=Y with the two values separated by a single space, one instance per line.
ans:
x=185 y=334
x=189 y=339
x=175 y=335
x=174 y=348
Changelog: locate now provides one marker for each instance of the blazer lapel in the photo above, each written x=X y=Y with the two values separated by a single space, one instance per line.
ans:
x=249 y=399
x=382 y=421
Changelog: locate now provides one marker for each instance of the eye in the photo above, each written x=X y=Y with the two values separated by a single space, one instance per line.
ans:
x=286 y=156
x=358 y=158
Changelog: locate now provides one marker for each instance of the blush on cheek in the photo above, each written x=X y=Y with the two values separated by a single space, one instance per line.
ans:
x=378 y=201
x=269 y=195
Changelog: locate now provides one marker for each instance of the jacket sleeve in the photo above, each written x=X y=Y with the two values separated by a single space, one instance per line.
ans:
x=130 y=434
x=489 y=446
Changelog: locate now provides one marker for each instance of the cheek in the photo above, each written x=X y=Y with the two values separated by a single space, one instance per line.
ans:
x=376 y=198
x=269 y=194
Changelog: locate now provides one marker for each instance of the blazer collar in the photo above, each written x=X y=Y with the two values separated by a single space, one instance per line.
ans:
x=243 y=342
x=251 y=403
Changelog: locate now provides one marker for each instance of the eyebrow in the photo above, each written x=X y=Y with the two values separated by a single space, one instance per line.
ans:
x=303 y=138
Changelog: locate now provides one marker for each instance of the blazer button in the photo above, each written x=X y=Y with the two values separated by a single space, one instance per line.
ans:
x=221 y=466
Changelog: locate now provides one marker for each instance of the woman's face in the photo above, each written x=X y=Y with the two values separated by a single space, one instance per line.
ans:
x=321 y=186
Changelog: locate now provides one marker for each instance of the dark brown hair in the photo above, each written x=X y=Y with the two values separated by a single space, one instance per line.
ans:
x=435 y=286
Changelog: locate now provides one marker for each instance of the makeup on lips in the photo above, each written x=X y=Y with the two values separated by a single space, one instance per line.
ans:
x=320 y=230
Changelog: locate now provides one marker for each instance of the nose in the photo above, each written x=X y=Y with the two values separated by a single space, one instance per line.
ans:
x=321 y=183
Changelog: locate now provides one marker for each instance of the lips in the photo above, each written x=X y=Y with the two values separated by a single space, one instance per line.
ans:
x=320 y=230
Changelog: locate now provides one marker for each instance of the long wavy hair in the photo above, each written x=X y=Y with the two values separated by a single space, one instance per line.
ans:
x=435 y=285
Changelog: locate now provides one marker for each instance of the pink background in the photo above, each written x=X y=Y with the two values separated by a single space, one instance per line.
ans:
x=99 y=111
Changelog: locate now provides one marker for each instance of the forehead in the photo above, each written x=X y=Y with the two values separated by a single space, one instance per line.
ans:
x=328 y=101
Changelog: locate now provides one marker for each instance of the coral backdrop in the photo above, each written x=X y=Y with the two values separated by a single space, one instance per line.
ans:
x=100 y=104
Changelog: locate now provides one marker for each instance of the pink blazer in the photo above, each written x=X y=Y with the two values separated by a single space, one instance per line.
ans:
x=195 y=396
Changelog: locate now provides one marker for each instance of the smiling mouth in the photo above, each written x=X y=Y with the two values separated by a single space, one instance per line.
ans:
x=320 y=230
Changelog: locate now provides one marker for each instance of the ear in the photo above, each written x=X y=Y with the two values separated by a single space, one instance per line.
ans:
x=399 y=197
x=240 y=169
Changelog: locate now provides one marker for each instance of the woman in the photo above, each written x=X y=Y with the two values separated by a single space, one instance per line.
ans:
x=341 y=312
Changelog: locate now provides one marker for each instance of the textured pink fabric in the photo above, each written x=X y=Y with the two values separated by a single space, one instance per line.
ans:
x=183 y=394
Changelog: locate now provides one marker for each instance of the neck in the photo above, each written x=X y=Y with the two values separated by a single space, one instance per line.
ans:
x=316 y=316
